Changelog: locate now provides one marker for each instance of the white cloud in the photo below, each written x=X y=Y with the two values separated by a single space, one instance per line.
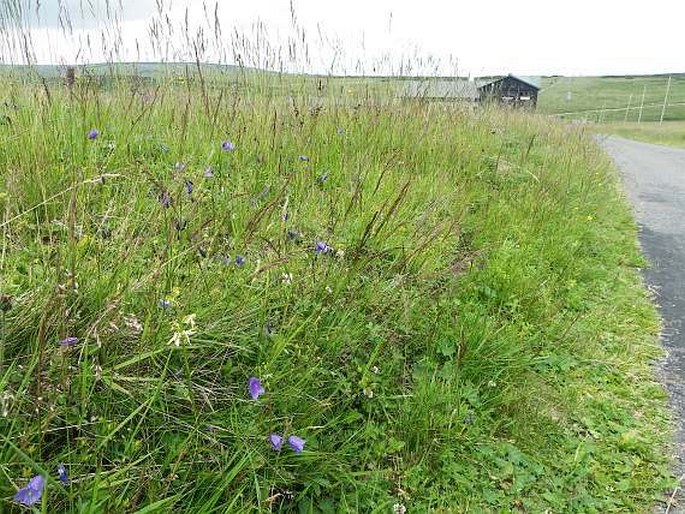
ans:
x=498 y=36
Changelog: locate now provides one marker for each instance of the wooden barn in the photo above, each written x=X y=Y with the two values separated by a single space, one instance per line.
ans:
x=510 y=90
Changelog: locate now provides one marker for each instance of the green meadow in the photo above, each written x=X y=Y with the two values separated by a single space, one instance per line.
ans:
x=614 y=99
x=442 y=305
x=669 y=133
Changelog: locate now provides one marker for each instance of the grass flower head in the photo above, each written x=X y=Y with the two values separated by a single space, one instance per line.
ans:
x=165 y=200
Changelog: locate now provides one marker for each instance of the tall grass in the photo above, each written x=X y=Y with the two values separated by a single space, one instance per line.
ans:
x=442 y=302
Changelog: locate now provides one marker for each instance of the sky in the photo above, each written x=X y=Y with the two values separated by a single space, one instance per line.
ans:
x=443 y=37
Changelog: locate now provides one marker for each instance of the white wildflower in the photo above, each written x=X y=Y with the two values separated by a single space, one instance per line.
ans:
x=133 y=324
x=5 y=402
x=183 y=331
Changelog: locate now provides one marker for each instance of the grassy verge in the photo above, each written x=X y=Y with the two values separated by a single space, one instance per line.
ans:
x=670 y=133
x=445 y=306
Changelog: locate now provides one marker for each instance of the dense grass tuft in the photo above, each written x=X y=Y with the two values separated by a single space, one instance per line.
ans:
x=443 y=303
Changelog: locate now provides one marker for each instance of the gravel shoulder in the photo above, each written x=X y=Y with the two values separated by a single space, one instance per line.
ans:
x=654 y=179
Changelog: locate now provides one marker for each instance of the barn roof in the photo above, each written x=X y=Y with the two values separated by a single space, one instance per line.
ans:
x=536 y=82
x=528 y=80
x=441 y=88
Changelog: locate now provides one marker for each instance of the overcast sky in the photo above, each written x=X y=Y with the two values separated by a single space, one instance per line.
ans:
x=531 y=37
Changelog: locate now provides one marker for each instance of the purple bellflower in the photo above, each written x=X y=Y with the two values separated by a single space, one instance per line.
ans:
x=93 y=134
x=276 y=442
x=296 y=443
x=239 y=260
x=227 y=146
x=254 y=386
x=63 y=475
x=68 y=341
x=322 y=247
x=31 y=492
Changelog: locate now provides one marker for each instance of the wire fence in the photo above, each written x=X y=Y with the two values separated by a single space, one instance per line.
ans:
x=631 y=113
x=616 y=99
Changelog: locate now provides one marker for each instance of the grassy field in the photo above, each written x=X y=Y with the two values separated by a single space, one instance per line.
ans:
x=671 y=133
x=444 y=305
x=613 y=99
x=614 y=105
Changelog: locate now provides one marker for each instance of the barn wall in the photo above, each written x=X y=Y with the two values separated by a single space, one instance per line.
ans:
x=510 y=90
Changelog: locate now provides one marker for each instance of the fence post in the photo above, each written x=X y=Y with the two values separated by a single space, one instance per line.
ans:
x=70 y=76
x=642 y=103
x=663 y=109
x=630 y=101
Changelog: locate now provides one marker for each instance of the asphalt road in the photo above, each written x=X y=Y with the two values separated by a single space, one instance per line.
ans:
x=654 y=178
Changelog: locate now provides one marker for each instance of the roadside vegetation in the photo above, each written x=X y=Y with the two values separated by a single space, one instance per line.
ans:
x=261 y=292
x=445 y=305
x=671 y=133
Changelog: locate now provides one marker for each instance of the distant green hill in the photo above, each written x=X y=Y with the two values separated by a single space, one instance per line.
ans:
x=142 y=69
x=602 y=98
